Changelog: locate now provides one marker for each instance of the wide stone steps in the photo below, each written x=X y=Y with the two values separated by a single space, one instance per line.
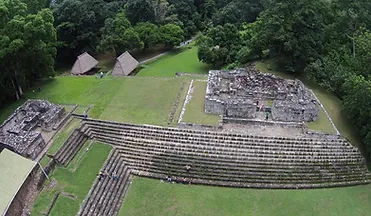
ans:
x=106 y=195
x=234 y=153
x=247 y=179
x=228 y=159
x=261 y=163
x=257 y=185
x=145 y=164
x=73 y=144
x=244 y=149
x=217 y=136
x=222 y=143
x=222 y=135
x=242 y=165
x=172 y=164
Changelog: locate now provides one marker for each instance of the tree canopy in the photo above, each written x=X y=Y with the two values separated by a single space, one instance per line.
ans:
x=27 y=47
x=119 y=36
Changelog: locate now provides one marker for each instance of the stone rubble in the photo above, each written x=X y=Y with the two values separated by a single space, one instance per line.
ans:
x=18 y=133
x=237 y=92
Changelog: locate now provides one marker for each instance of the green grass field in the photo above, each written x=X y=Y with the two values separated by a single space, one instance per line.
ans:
x=76 y=183
x=184 y=60
x=148 y=197
x=132 y=99
x=143 y=100
x=195 y=110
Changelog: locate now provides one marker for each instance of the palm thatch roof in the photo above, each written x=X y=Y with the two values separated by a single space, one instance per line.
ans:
x=83 y=64
x=125 y=64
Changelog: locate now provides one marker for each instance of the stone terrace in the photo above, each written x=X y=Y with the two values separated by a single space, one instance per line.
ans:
x=233 y=160
x=18 y=133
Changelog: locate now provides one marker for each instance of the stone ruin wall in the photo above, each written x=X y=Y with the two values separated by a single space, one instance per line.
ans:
x=234 y=94
x=18 y=133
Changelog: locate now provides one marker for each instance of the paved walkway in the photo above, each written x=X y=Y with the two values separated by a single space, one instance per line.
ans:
x=164 y=53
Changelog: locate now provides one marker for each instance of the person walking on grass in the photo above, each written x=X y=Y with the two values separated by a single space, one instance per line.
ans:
x=85 y=115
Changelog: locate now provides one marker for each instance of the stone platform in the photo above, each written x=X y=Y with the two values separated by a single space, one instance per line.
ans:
x=20 y=132
x=244 y=92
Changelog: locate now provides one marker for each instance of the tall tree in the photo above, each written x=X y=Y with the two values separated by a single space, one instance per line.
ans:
x=118 y=35
x=219 y=45
x=27 y=46
x=294 y=32
x=171 y=35
x=148 y=33
x=187 y=13
x=78 y=24
x=140 y=11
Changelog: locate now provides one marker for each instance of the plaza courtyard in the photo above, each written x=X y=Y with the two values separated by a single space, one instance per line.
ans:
x=157 y=97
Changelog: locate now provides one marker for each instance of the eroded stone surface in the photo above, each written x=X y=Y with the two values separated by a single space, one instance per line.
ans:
x=242 y=92
x=18 y=133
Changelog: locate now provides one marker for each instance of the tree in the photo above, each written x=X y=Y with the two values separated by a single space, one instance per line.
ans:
x=27 y=47
x=349 y=17
x=140 y=11
x=208 y=9
x=187 y=13
x=357 y=107
x=294 y=32
x=238 y=12
x=118 y=35
x=148 y=33
x=252 y=44
x=78 y=24
x=171 y=35
x=33 y=6
x=219 y=45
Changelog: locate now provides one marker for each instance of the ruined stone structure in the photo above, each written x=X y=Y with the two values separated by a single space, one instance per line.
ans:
x=18 y=133
x=241 y=92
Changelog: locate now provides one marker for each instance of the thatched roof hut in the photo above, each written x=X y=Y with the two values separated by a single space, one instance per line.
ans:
x=125 y=64
x=84 y=63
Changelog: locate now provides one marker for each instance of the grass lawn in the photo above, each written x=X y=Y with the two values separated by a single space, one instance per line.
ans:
x=77 y=183
x=143 y=100
x=322 y=123
x=195 y=111
x=151 y=197
x=183 y=60
x=73 y=90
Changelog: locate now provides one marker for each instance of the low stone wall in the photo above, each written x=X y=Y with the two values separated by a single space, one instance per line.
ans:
x=259 y=122
x=214 y=107
x=199 y=127
x=190 y=74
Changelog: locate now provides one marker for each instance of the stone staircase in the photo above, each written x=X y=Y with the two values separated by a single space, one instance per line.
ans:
x=106 y=195
x=228 y=159
x=70 y=148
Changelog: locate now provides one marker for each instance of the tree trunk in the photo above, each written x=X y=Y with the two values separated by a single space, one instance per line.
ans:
x=20 y=90
x=15 y=90
x=354 y=48
x=16 y=85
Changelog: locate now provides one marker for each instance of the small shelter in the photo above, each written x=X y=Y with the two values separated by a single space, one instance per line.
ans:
x=125 y=64
x=84 y=64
